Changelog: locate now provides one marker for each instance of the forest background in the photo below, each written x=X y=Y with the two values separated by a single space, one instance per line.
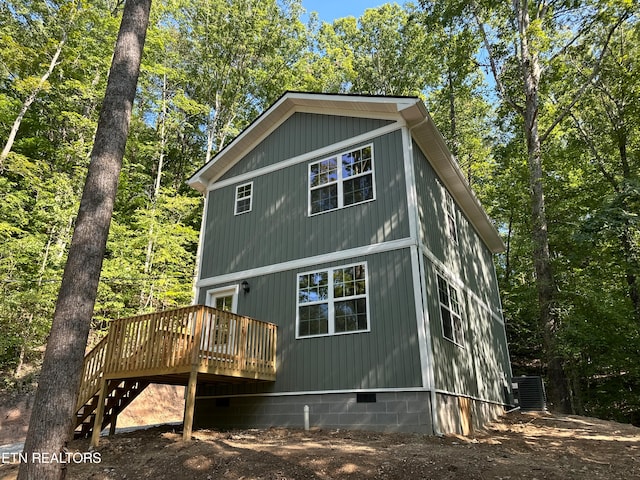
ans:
x=538 y=100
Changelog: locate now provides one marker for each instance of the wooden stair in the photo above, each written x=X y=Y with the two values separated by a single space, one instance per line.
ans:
x=118 y=396
x=183 y=346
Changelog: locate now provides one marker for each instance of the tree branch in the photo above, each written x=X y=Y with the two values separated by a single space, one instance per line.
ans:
x=596 y=69
x=494 y=66
x=594 y=152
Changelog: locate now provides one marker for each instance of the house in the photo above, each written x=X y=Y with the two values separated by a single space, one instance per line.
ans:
x=346 y=221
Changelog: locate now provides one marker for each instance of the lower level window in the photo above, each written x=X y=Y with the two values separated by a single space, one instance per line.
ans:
x=333 y=301
x=450 y=311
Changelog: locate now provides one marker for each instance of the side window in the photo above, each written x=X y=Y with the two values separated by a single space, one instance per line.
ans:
x=450 y=311
x=452 y=225
x=244 y=197
x=333 y=301
x=341 y=181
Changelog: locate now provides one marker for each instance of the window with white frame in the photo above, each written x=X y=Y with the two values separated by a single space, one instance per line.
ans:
x=333 y=301
x=340 y=181
x=244 y=197
x=450 y=311
x=452 y=226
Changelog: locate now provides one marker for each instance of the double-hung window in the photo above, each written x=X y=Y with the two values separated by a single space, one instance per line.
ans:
x=450 y=311
x=244 y=197
x=333 y=301
x=340 y=181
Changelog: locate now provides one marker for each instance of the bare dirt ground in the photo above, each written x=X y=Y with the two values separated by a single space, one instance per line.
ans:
x=156 y=404
x=518 y=446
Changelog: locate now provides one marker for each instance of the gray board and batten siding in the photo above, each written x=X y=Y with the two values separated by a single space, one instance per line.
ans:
x=480 y=367
x=386 y=356
x=279 y=229
x=469 y=259
x=302 y=133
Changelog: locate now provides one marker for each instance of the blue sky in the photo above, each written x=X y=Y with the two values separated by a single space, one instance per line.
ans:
x=329 y=10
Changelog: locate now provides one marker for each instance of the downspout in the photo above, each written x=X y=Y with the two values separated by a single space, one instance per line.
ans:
x=416 y=234
x=203 y=223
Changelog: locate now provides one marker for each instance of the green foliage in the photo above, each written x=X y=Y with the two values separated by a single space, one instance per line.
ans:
x=211 y=66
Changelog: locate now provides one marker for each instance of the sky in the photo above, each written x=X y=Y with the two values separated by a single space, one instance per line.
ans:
x=329 y=10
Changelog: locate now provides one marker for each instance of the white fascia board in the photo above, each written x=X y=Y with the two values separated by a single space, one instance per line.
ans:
x=289 y=103
x=434 y=148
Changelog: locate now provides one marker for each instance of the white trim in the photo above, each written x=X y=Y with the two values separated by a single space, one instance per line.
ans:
x=308 y=262
x=348 y=112
x=340 y=180
x=197 y=270
x=330 y=301
x=458 y=282
x=351 y=391
x=305 y=157
x=419 y=290
x=223 y=292
x=424 y=338
x=427 y=359
x=250 y=197
x=410 y=179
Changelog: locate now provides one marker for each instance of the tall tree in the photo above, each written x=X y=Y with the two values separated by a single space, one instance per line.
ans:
x=53 y=411
x=531 y=37
x=606 y=123
x=241 y=56
x=384 y=52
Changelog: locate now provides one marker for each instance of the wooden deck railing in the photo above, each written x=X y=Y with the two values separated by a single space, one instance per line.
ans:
x=92 y=372
x=177 y=341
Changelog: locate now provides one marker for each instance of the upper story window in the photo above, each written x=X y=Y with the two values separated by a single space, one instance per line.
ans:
x=340 y=181
x=244 y=197
x=452 y=225
x=450 y=311
x=333 y=301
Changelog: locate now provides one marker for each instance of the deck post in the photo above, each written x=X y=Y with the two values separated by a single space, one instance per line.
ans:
x=189 y=406
x=190 y=400
x=97 y=422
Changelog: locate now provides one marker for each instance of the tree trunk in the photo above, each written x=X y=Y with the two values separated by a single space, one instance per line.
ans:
x=558 y=391
x=27 y=330
x=54 y=406
x=28 y=101
x=146 y=300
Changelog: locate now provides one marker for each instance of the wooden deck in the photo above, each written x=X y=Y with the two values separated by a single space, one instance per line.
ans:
x=184 y=346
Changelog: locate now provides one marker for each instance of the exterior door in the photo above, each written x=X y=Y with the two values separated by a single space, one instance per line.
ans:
x=219 y=336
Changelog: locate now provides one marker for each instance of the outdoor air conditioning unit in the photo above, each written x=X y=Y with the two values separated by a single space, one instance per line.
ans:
x=529 y=394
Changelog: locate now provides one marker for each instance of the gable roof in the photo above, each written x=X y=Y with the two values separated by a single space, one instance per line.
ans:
x=410 y=109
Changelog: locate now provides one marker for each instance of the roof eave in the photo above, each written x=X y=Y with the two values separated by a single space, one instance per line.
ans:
x=433 y=145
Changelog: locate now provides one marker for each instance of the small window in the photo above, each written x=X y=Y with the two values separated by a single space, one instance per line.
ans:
x=341 y=181
x=244 y=196
x=333 y=301
x=452 y=226
x=450 y=311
